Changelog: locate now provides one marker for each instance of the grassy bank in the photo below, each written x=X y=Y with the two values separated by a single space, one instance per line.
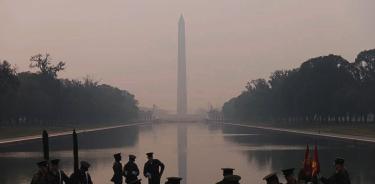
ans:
x=8 y=132
x=350 y=129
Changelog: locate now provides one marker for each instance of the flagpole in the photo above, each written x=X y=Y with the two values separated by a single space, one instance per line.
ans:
x=45 y=145
x=75 y=150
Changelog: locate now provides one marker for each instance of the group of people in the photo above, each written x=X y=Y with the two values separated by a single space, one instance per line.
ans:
x=50 y=173
x=340 y=176
x=153 y=170
x=305 y=176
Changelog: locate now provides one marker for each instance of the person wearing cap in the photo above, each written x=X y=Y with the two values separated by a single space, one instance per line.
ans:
x=153 y=169
x=41 y=177
x=131 y=171
x=117 y=169
x=232 y=179
x=272 y=179
x=82 y=177
x=341 y=175
x=226 y=172
x=56 y=175
x=289 y=176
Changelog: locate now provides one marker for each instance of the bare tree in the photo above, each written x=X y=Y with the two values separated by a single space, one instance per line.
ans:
x=44 y=64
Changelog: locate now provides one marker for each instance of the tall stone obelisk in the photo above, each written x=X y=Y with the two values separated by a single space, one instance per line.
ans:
x=181 y=70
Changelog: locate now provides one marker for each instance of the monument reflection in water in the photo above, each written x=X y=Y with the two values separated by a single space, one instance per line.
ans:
x=209 y=147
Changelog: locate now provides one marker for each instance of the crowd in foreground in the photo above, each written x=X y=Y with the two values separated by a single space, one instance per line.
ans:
x=307 y=176
x=50 y=173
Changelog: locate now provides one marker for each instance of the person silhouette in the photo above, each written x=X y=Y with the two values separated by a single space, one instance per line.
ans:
x=56 y=175
x=82 y=176
x=153 y=169
x=289 y=176
x=228 y=177
x=272 y=179
x=131 y=171
x=41 y=177
x=117 y=169
x=341 y=175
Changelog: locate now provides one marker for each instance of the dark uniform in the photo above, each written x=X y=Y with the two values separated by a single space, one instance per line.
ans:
x=131 y=171
x=117 y=169
x=56 y=175
x=230 y=179
x=341 y=176
x=272 y=179
x=41 y=177
x=82 y=176
x=288 y=173
x=153 y=169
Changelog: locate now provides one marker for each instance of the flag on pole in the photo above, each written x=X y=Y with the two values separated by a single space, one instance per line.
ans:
x=307 y=165
x=315 y=163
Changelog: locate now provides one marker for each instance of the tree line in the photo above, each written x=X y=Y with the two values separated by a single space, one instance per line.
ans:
x=323 y=89
x=42 y=97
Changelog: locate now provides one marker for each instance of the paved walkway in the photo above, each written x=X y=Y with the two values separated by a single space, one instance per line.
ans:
x=330 y=135
x=33 y=137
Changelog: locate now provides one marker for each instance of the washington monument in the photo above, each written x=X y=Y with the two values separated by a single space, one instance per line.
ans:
x=181 y=70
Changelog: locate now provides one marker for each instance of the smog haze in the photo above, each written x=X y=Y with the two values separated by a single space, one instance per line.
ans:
x=132 y=44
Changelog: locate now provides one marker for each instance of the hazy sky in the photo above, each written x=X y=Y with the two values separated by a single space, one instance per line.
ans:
x=132 y=44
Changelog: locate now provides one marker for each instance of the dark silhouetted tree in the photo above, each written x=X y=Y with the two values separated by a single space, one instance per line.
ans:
x=43 y=63
x=322 y=89
x=43 y=98
x=8 y=87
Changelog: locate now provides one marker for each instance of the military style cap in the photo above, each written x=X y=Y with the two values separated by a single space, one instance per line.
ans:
x=117 y=155
x=271 y=177
x=227 y=171
x=132 y=157
x=55 y=161
x=232 y=178
x=339 y=161
x=288 y=172
x=150 y=154
x=43 y=163
x=85 y=164
x=173 y=180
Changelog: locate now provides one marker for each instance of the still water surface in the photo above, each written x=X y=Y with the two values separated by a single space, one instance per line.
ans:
x=198 y=151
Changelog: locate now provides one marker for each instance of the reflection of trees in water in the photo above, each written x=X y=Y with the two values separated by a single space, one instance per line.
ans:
x=111 y=138
x=280 y=150
x=21 y=169
x=114 y=138
x=17 y=169
x=11 y=169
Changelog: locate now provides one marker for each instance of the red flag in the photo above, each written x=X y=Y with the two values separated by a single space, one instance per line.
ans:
x=306 y=165
x=315 y=163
